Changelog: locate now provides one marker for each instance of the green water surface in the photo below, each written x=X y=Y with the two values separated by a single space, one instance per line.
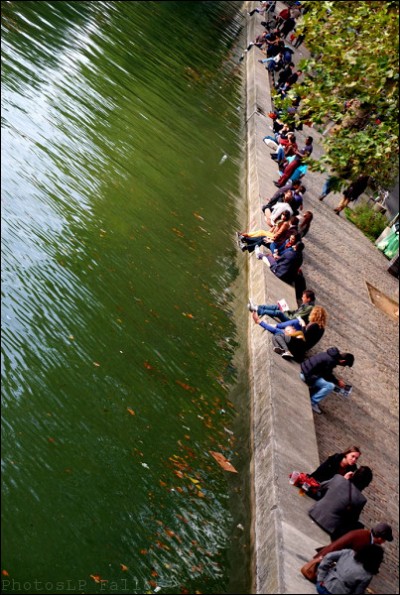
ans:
x=121 y=160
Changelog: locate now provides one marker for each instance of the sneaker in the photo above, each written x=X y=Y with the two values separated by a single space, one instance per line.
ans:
x=287 y=355
x=322 y=197
x=316 y=408
x=252 y=306
x=279 y=350
x=274 y=156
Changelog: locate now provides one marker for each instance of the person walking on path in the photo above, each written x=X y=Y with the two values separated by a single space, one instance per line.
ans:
x=352 y=192
x=328 y=186
x=317 y=373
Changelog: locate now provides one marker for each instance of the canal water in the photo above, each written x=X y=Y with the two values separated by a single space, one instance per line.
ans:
x=121 y=191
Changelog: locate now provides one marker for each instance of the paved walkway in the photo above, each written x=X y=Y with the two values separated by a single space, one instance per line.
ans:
x=338 y=261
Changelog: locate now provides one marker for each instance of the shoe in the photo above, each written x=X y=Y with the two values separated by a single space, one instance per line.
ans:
x=260 y=255
x=277 y=185
x=287 y=355
x=316 y=408
x=322 y=197
x=337 y=212
x=274 y=156
x=279 y=350
x=252 y=306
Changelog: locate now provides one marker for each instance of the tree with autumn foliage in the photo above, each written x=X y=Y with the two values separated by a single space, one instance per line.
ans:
x=351 y=80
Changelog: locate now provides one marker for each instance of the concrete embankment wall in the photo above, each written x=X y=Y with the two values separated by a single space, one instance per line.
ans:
x=283 y=427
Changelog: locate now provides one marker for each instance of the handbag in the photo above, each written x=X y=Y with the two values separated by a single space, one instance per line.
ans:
x=309 y=570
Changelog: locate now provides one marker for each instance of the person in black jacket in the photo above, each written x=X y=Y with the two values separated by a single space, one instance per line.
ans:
x=288 y=346
x=352 y=192
x=340 y=463
x=287 y=266
x=317 y=373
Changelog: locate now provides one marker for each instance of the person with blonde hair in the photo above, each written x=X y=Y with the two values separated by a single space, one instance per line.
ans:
x=288 y=347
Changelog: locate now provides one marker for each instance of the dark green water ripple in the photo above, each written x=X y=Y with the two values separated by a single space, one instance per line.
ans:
x=121 y=157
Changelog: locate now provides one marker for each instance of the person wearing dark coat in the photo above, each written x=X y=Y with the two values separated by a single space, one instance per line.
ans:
x=352 y=192
x=339 y=509
x=287 y=266
x=340 y=463
x=317 y=373
x=289 y=346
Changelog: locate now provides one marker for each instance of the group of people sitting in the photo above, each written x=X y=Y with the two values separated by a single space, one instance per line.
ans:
x=286 y=226
x=349 y=562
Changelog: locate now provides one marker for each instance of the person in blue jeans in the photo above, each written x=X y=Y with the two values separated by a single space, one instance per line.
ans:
x=317 y=373
x=273 y=310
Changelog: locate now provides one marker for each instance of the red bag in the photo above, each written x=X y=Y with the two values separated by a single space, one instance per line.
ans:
x=284 y=14
x=307 y=483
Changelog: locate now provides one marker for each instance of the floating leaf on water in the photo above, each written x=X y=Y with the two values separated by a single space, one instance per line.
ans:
x=52 y=440
x=143 y=552
x=185 y=386
x=96 y=364
x=131 y=411
x=123 y=567
x=97 y=578
x=223 y=462
x=198 y=216
x=4 y=573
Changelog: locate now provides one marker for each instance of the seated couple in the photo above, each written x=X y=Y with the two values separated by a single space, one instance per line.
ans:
x=298 y=331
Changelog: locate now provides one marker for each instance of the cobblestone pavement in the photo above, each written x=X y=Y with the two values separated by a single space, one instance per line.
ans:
x=338 y=261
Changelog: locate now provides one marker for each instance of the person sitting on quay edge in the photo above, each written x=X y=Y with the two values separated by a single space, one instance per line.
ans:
x=280 y=194
x=317 y=373
x=272 y=215
x=296 y=162
x=288 y=347
x=305 y=223
x=287 y=266
x=341 y=463
x=339 y=509
x=347 y=571
x=251 y=239
x=292 y=339
x=273 y=310
x=278 y=248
